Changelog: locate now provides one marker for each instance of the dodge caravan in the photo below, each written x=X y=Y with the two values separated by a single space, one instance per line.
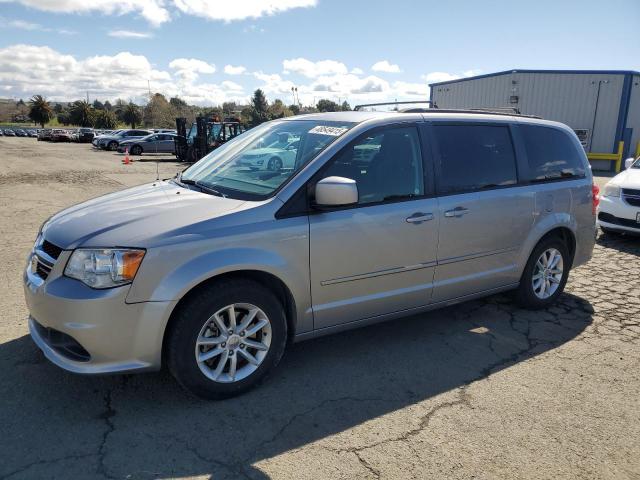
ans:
x=380 y=215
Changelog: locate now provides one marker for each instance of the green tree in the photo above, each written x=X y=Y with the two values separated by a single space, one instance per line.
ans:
x=177 y=102
x=82 y=113
x=40 y=110
x=259 y=108
x=278 y=110
x=131 y=115
x=106 y=119
x=345 y=107
x=325 y=105
x=159 y=113
x=98 y=105
x=58 y=108
x=295 y=109
x=108 y=106
x=63 y=118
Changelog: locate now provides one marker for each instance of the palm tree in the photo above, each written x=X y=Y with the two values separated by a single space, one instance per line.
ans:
x=82 y=113
x=132 y=115
x=40 y=111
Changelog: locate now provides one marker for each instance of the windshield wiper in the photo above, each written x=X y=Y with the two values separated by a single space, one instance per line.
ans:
x=202 y=187
x=206 y=188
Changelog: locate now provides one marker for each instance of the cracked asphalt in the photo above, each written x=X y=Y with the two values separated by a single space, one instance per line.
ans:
x=480 y=390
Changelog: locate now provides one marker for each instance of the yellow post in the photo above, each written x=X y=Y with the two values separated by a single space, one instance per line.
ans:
x=637 y=150
x=619 y=156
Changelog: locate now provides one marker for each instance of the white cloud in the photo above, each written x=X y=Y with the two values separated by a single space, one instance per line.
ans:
x=238 y=9
x=152 y=10
x=357 y=71
x=129 y=34
x=311 y=69
x=231 y=70
x=435 y=77
x=189 y=69
x=385 y=66
x=27 y=70
x=408 y=89
x=33 y=27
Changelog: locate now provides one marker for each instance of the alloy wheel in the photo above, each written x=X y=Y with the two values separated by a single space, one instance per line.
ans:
x=547 y=273
x=233 y=343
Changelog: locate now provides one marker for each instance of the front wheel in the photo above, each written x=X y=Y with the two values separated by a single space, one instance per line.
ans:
x=274 y=164
x=136 y=150
x=225 y=339
x=112 y=146
x=545 y=275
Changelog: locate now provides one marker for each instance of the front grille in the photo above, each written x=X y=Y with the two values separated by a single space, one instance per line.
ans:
x=42 y=269
x=631 y=196
x=62 y=343
x=625 y=222
x=50 y=249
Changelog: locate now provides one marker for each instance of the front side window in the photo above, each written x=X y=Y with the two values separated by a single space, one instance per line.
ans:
x=551 y=153
x=474 y=157
x=244 y=168
x=386 y=165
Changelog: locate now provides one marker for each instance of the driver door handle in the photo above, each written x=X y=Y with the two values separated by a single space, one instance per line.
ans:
x=420 y=217
x=456 y=212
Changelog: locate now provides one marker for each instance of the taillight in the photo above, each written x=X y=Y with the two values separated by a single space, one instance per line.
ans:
x=595 y=198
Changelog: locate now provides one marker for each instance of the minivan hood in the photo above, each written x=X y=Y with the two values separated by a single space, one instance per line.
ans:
x=136 y=217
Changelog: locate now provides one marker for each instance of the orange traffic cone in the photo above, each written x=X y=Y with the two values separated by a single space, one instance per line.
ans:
x=126 y=160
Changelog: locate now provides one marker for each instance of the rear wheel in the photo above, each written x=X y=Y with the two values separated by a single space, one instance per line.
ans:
x=112 y=146
x=226 y=339
x=545 y=275
x=136 y=150
x=275 y=164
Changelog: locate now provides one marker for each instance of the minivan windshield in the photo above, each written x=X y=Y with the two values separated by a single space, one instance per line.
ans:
x=244 y=168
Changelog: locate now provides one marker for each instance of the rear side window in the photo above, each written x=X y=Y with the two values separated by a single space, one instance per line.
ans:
x=474 y=157
x=551 y=153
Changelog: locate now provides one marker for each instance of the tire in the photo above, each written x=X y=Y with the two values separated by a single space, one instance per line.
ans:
x=136 y=150
x=536 y=298
x=112 y=146
x=195 y=320
x=274 y=164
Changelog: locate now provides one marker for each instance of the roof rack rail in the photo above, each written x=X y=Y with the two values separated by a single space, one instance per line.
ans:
x=358 y=107
x=478 y=111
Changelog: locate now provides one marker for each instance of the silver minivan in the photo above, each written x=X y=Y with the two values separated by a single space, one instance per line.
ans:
x=381 y=215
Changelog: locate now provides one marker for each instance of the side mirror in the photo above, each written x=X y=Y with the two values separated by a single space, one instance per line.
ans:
x=628 y=162
x=336 y=192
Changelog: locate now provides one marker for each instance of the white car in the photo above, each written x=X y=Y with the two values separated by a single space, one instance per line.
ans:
x=619 y=209
x=275 y=157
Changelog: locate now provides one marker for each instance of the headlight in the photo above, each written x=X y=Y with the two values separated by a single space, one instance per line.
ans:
x=104 y=268
x=611 y=190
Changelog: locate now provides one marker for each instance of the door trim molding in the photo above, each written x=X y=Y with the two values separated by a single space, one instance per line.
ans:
x=379 y=273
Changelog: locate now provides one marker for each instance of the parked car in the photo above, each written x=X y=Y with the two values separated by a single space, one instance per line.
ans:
x=32 y=133
x=111 y=142
x=276 y=156
x=85 y=135
x=20 y=133
x=45 y=134
x=9 y=133
x=619 y=209
x=213 y=272
x=59 y=135
x=164 y=130
x=154 y=143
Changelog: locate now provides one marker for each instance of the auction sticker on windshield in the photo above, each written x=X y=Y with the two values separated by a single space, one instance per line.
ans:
x=326 y=130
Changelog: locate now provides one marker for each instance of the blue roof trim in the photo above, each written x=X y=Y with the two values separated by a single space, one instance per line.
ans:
x=507 y=72
x=623 y=111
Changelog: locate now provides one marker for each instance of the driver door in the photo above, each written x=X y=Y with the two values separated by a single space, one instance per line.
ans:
x=377 y=257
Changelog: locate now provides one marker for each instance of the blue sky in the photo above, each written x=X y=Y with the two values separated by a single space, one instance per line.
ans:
x=360 y=51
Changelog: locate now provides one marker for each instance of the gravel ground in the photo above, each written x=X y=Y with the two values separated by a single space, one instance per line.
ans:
x=480 y=390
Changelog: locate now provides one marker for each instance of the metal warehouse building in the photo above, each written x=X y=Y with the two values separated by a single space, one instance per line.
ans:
x=603 y=107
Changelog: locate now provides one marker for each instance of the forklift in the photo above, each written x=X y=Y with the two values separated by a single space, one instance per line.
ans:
x=205 y=135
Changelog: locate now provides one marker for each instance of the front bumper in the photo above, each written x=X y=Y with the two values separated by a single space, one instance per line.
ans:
x=116 y=336
x=616 y=214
